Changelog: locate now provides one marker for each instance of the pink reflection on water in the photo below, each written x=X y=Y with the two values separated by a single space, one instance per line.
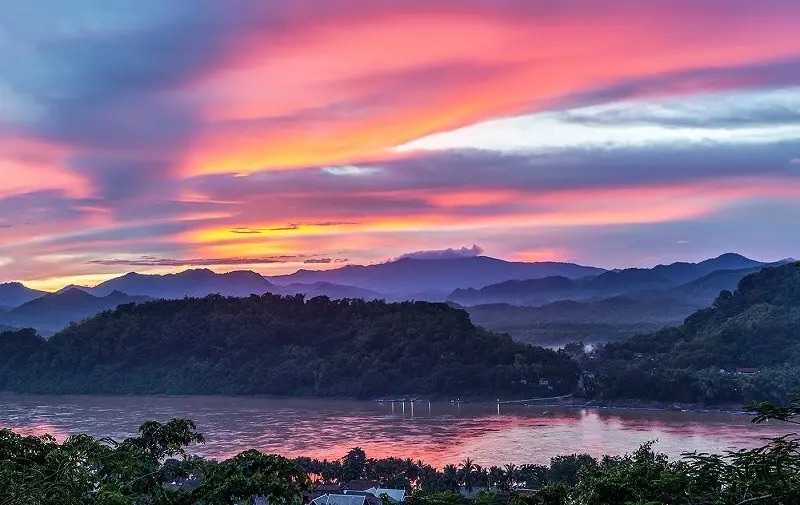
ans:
x=523 y=435
x=37 y=430
x=439 y=433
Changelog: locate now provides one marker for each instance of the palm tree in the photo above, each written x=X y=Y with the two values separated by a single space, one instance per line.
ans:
x=468 y=475
x=511 y=474
x=450 y=478
x=496 y=476
x=429 y=479
x=481 y=476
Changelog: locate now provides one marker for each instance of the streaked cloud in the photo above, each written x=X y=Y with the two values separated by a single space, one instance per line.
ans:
x=152 y=261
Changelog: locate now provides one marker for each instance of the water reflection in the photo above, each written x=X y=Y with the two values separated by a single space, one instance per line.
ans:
x=438 y=433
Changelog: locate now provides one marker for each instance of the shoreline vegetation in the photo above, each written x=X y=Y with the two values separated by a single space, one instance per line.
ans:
x=155 y=468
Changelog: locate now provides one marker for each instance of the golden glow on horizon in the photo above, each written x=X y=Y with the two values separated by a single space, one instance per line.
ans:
x=544 y=254
x=52 y=284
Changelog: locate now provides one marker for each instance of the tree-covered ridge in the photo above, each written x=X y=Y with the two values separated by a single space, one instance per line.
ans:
x=282 y=346
x=746 y=346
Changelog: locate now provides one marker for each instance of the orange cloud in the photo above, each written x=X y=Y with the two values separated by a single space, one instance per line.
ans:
x=531 y=210
x=351 y=88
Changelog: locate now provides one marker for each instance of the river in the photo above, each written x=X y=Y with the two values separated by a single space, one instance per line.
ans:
x=437 y=433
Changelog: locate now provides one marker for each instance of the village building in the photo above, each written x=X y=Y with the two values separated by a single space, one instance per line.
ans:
x=340 y=499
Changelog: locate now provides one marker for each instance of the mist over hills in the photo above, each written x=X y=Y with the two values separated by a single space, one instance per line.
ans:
x=612 y=306
x=54 y=311
x=591 y=321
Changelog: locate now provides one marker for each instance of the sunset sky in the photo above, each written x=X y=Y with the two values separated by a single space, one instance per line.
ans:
x=274 y=135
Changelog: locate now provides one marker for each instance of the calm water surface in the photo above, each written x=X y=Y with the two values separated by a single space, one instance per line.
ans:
x=438 y=433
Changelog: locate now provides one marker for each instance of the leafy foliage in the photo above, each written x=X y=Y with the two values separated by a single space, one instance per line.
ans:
x=83 y=470
x=282 y=346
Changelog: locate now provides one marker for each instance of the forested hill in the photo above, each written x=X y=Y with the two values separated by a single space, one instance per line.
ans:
x=757 y=327
x=281 y=346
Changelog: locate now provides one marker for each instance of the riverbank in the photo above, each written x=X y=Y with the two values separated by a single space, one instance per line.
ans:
x=573 y=403
x=651 y=405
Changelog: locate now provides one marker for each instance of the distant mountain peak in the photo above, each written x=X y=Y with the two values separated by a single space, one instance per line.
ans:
x=730 y=260
x=732 y=255
x=14 y=294
x=73 y=286
x=116 y=293
x=71 y=291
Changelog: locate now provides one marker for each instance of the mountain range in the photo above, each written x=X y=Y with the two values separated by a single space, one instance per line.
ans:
x=539 y=291
x=432 y=278
x=612 y=306
x=539 y=302
x=194 y=283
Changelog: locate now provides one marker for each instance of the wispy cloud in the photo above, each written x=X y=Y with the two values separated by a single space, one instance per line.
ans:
x=151 y=261
x=292 y=227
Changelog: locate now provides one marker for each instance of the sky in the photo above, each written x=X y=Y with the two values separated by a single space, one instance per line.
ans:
x=157 y=136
